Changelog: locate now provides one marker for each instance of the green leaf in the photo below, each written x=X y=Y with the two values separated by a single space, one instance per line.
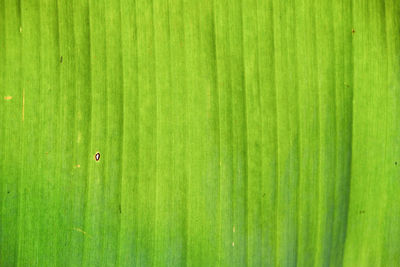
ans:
x=199 y=133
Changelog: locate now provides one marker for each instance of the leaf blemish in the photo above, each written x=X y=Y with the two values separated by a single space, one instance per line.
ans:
x=97 y=156
x=80 y=230
x=23 y=104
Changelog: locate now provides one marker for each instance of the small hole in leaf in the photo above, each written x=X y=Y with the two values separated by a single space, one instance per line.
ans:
x=97 y=156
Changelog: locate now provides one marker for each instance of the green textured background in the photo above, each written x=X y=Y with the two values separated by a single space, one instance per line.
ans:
x=231 y=133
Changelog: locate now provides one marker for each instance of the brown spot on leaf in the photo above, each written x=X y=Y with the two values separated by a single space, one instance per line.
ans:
x=79 y=137
x=7 y=97
x=81 y=231
x=23 y=104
